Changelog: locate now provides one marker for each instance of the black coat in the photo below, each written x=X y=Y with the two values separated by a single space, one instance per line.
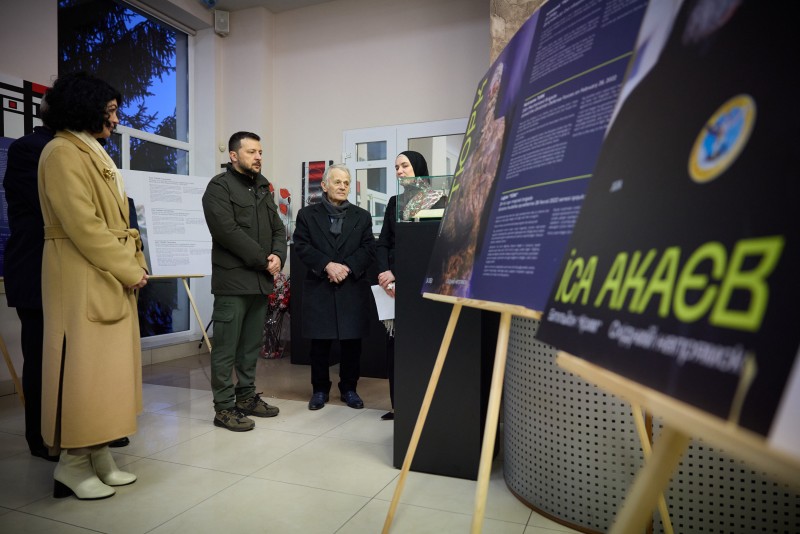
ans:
x=335 y=311
x=385 y=245
x=22 y=269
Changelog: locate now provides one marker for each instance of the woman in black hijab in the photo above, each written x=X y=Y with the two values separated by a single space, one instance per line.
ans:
x=417 y=195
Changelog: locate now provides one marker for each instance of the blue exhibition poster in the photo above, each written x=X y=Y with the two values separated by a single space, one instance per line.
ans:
x=5 y=230
x=533 y=136
x=681 y=271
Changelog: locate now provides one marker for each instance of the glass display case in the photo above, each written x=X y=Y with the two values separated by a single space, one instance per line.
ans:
x=422 y=197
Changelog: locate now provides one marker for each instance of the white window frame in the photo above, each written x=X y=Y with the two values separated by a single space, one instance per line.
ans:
x=126 y=133
x=396 y=138
x=352 y=138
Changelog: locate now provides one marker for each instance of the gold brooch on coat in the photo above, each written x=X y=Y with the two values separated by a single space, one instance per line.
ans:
x=109 y=174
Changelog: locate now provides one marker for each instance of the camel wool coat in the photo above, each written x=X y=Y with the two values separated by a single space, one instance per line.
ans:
x=91 y=368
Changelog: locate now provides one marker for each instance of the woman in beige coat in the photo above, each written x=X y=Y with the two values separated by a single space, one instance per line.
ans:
x=92 y=265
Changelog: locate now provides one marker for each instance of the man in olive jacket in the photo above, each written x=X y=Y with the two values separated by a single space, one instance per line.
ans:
x=248 y=249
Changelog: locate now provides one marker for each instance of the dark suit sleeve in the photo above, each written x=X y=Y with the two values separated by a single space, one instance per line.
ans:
x=385 y=244
x=278 y=235
x=23 y=253
x=132 y=214
x=314 y=259
x=360 y=260
x=21 y=177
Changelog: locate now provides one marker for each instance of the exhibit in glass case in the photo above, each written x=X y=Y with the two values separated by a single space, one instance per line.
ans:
x=422 y=197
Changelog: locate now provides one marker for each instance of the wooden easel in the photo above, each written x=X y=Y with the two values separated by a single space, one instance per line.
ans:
x=10 y=364
x=185 y=279
x=507 y=311
x=681 y=422
x=11 y=370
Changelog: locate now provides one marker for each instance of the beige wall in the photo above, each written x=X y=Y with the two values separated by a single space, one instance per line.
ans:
x=363 y=63
x=28 y=40
x=247 y=77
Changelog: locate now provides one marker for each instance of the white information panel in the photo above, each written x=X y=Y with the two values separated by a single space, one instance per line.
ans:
x=170 y=214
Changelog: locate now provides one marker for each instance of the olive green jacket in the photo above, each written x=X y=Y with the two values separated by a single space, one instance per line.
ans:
x=245 y=228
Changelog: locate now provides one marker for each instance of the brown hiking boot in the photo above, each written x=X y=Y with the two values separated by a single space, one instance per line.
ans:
x=255 y=406
x=234 y=420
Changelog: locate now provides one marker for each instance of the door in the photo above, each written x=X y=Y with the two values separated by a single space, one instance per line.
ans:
x=440 y=143
x=370 y=155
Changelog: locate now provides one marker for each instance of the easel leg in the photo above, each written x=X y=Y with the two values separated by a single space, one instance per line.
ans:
x=196 y=313
x=492 y=418
x=649 y=483
x=12 y=371
x=641 y=429
x=423 y=414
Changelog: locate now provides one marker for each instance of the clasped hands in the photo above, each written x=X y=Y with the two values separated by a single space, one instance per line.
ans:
x=273 y=264
x=336 y=272
x=140 y=284
x=386 y=281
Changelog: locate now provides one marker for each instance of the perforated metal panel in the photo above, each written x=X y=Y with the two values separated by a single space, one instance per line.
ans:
x=571 y=451
x=712 y=492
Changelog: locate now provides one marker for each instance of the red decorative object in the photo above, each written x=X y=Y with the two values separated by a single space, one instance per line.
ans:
x=277 y=307
x=285 y=209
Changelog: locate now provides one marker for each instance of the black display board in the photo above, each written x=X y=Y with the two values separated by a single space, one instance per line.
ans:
x=681 y=270
x=450 y=444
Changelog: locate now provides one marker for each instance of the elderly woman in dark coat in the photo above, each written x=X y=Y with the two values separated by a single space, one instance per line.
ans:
x=334 y=240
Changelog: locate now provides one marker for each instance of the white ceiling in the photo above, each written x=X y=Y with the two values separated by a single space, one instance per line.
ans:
x=275 y=6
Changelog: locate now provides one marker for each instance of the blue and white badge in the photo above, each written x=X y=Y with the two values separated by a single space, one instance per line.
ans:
x=722 y=138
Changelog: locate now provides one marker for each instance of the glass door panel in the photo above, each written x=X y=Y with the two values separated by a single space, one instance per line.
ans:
x=369 y=153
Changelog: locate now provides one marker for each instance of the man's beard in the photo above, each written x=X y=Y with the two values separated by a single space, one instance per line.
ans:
x=251 y=169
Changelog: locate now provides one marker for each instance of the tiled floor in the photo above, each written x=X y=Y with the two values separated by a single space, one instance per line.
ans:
x=327 y=471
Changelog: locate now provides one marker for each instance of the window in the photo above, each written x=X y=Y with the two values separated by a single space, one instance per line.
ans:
x=371 y=151
x=147 y=61
x=370 y=154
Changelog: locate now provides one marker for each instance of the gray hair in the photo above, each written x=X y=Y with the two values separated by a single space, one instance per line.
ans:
x=338 y=166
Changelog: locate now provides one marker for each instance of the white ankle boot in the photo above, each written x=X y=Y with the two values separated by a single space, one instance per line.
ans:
x=75 y=475
x=107 y=471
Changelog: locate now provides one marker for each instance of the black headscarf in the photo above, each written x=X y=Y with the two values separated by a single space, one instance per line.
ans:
x=418 y=162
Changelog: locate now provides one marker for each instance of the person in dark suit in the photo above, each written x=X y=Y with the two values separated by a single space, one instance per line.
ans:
x=334 y=240
x=23 y=272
